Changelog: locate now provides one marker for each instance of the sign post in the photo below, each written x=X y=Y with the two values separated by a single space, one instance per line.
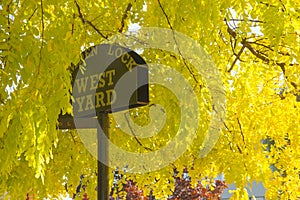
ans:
x=115 y=78
x=103 y=171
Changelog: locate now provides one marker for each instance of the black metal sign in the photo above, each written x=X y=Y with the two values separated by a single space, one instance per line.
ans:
x=114 y=78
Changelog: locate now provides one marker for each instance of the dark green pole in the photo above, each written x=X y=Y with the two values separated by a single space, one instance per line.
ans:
x=103 y=175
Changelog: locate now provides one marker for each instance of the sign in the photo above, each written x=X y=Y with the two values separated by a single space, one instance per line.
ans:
x=114 y=78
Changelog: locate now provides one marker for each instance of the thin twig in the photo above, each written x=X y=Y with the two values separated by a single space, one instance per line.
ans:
x=73 y=25
x=250 y=20
x=236 y=58
x=85 y=21
x=134 y=135
x=128 y=8
x=42 y=39
x=270 y=48
x=174 y=38
x=256 y=53
x=226 y=126
x=8 y=13
x=267 y=4
x=29 y=18
x=241 y=131
x=240 y=150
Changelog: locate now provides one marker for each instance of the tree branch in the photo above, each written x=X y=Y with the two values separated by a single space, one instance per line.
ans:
x=250 y=20
x=73 y=24
x=42 y=39
x=241 y=131
x=5 y=58
x=29 y=18
x=1 y=100
x=85 y=21
x=236 y=58
x=268 y=47
x=260 y=55
x=267 y=4
x=256 y=53
x=134 y=135
x=129 y=6
x=174 y=38
x=8 y=11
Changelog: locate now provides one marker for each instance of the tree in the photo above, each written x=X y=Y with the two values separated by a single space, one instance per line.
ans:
x=254 y=44
x=204 y=190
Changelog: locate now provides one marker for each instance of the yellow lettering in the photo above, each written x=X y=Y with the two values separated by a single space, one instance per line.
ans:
x=110 y=75
x=80 y=102
x=123 y=59
x=99 y=99
x=93 y=52
x=101 y=81
x=94 y=81
x=81 y=84
x=130 y=63
x=89 y=102
x=111 y=97
x=110 y=51
x=118 y=52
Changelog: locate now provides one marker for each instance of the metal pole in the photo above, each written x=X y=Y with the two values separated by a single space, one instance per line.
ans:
x=103 y=175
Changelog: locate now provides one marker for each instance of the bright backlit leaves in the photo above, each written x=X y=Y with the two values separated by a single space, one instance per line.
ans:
x=256 y=50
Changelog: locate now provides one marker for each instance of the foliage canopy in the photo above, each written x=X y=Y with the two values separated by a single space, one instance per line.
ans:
x=254 y=44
